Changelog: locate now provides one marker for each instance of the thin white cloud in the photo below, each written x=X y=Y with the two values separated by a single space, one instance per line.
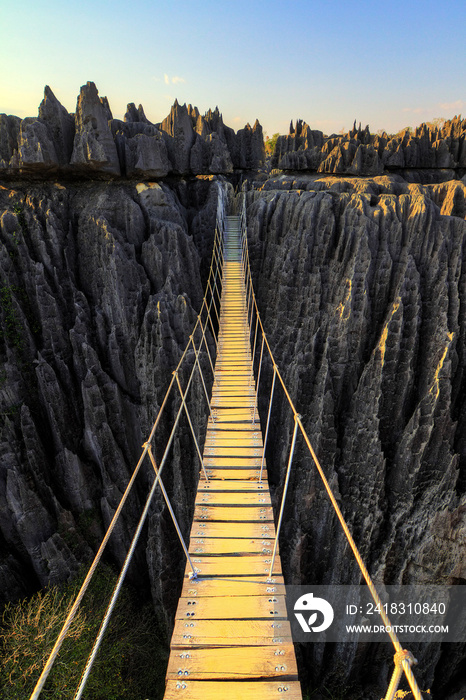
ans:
x=174 y=80
x=458 y=105
x=417 y=110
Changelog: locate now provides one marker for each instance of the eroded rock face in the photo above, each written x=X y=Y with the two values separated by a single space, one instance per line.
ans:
x=179 y=128
x=9 y=134
x=362 y=290
x=250 y=152
x=93 y=142
x=99 y=290
x=60 y=124
x=36 y=149
x=361 y=153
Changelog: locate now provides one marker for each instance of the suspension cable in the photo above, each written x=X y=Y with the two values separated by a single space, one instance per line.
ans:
x=183 y=396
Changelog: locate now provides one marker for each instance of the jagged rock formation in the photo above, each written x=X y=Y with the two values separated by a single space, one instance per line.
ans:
x=361 y=153
x=91 y=143
x=362 y=287
x=60 y=126
x=94 y=146
x=98 y=293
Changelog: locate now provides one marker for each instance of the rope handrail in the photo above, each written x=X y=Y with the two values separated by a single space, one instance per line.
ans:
x=208 y=300
x=403 y=658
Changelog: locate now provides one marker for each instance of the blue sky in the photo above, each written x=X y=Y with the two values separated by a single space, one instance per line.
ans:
x=386 y=64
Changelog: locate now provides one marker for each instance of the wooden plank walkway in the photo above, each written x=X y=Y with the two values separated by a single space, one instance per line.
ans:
x=232 y=638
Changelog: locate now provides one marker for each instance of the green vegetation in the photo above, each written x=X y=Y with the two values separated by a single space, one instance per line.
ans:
x=270 y=144
x=436 y=123
x=131 y=663
x=19 y=211
x=12 y=327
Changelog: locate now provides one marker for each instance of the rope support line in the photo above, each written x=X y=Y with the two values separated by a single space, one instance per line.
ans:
x=258 y=378
x=275 y=369
x=191 y=426
x=70 y=617
x=214 y=304
x=201 y=373
x=399 y=658
x=254 y=349
x=285 y=489
x=205 y=343
x=406 y=658
x=172 y=513
x=117 y=589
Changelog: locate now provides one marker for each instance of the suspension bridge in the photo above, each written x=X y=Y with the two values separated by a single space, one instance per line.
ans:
x=231 y=638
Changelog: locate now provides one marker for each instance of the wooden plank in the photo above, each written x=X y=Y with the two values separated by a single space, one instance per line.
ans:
x=234 y=633
x=223 y=473
x=231 y=374
x=235 y=342
x=230 y=462
x=224 y=375
x=240 y=382
x=184 y=689
x=239 y=427
x=239 y=392
x=214 y=545
x=234 y=451
x=224 y=440
x=249 y=565
x=250 y=530
x=229 y=415
x=269 y=607
x=229 y=439
x=219 y=485
x=229 y=402
x=233 y=662
x=232 y=586
x=235 y=394
x=238 y=432
x=231 y=412
x=234 y=513
x=219 y=498
x=226 y=387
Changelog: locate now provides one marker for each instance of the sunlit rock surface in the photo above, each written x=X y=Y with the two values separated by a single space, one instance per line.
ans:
x=361 y=153
x=91 y=143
